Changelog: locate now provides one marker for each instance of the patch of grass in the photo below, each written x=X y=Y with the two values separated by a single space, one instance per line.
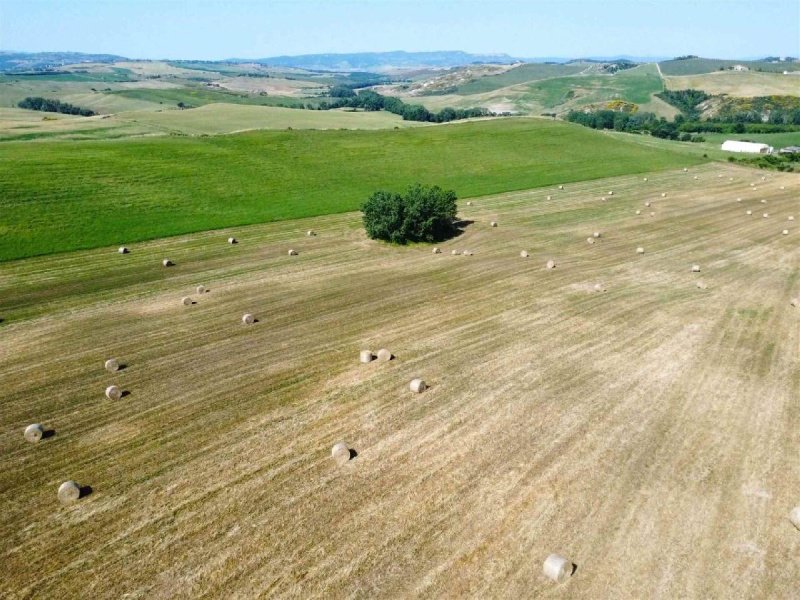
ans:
x=521 y=74
x=59 y=196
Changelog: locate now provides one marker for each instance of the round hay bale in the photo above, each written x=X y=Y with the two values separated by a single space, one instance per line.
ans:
x=763 y=178
x=652 y=214
x=701 y=285
x=719 y=176
x=749 y=212
x=232 y=240
x=730 y=178
x=551 y=264
x=469 y=203
x=561 y=187
x=417 y=386
x=248 y=319
x=783 y=187
x=366 y=356
x=647 y=204
x=467 y=253
x=610 y=193
x=524 y=254
x=766 y=215
x=738 y=199
x=201 y=289
x=785 y=232
x=455 y=252
x=663 y=194
x=340 y=453
x=69 y=492
x=34 y=432
x=640 y=250
x=186 y=301
x=292 y=252
x=603 y=199
x=752 y=185
x=493 y=223
x=384 y=355
x=113 y=392
x=644 y=179
x=549 y=197
x=111 y=365
x=557 y=568
x=310 y=233
x=123 y=250
x=695 y=176
x=596 y=234
x=685 y=170
x=437 y=251
x=638 y=212
x=791 y=218
x=590 y=240
x=763 y=202
x=167 y=262
x=795 y=302
x=695 y=268
x=794 y=517
x=598 y=287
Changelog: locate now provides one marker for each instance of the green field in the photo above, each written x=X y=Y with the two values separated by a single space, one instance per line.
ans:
x=64 y=196
x=212 y=119
x=698 y=66
x=521 y=74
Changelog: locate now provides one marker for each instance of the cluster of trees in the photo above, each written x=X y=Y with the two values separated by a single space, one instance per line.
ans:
x=422 y=214
x=50 y=105
x=685 y=101
x=736 y=113
x=371 y=101
x=779 y=162
x=633 y=123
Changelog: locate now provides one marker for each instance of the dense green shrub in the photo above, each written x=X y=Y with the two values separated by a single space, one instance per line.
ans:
x=422 y=214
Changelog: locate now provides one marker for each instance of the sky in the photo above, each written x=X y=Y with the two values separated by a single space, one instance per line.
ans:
x=213 y=30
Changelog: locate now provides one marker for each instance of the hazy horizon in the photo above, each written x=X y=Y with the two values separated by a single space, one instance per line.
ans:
x=212 y=30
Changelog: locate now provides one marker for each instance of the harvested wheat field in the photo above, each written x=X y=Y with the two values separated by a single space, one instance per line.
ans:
x=649 y=434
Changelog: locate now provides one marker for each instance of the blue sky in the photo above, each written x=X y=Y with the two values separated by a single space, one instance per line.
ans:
x=207 y=29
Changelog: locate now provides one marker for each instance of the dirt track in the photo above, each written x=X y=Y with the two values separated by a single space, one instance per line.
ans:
x=649 y=432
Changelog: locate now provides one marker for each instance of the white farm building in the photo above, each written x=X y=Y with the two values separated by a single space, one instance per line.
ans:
x=751 y=147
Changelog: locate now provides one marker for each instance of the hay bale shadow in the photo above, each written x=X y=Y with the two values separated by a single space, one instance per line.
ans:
x=48 y=433
x=85 y=490
x=125 y=393
x=353 y=453
x=574 y=569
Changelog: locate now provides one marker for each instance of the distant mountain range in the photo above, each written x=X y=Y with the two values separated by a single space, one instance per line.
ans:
x=26 y=61
x=371 y=61
x=358 y=61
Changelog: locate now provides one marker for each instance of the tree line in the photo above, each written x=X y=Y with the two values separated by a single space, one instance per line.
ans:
x=371 y=100
x=50 y=105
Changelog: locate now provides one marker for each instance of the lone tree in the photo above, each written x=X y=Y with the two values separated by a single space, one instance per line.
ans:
x=422 y=214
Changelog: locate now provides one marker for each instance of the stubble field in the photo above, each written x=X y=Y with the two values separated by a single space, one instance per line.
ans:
x=648 y=432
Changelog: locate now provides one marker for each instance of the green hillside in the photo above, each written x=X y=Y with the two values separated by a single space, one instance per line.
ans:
x=59 y=196
x=698 y=66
